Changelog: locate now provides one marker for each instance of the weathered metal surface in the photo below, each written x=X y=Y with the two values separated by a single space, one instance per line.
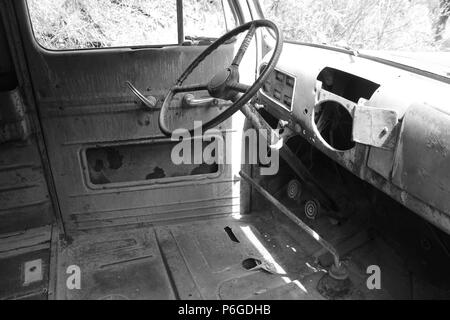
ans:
x=433 y=215
x=124 y=265
x=84 y=102
x=325 y=244
x=26 y=211
x=375 y=126
x=216 y=263
x=21 y=79
x=130 y=164
x=399 y=89
x=381 y=161
x=12 y=106
x=24 y=199
x=287 y=154
x=15 y=242
x=12 y=276
x=13 y=122
x=422 y=160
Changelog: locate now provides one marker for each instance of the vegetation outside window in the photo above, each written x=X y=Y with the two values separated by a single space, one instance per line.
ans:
x=80 y=24
x=405 y=25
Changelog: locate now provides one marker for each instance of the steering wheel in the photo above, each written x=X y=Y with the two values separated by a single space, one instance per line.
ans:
x=225 y=84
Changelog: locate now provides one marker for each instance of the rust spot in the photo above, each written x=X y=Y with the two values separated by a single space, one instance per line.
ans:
x=98 y=166
x=157 y=173
x=114 y=158
x=204 y=169
x=99 y=178
x=433 y=142
x=144 y=120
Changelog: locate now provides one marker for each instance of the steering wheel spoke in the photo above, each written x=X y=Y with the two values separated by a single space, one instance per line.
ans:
x=244 y=46
x=190 y=101
x=239 y=87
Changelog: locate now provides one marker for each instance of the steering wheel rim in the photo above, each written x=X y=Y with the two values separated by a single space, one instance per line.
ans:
x=248 y=92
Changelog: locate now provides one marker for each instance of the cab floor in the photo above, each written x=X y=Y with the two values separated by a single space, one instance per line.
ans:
x=219 y=258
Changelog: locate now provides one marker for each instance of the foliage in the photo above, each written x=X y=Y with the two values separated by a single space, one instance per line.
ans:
x=71 y=24
x=370 y=24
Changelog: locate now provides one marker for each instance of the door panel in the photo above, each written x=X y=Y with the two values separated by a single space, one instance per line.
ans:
x=24 y=196
x=83 y=103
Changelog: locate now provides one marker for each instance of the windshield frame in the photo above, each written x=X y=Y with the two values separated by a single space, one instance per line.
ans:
x=356 y=53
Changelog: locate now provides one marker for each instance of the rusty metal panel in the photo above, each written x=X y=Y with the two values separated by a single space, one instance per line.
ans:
x=422 y=160
x=24 y=199
x=13 y=123
x=13 y=286
x=134 y=164
x=381 y=161
x=84 y=103
x=374 y=126
x=126 y=264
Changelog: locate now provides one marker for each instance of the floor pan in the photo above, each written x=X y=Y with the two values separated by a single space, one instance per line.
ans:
x=119 y=265
x=218 y=257
x=255 y=257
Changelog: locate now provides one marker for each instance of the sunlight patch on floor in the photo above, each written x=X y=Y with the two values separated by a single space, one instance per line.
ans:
x=268 y=257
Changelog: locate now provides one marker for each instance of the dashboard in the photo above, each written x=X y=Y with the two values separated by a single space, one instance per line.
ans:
x=279 y=88
x=371 y=117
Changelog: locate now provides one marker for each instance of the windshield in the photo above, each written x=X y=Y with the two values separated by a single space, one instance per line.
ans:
x=399 y=30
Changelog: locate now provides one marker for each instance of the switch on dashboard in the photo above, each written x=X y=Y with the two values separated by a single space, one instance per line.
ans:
x=279 y=76
x=290 y=81
x=277 y=94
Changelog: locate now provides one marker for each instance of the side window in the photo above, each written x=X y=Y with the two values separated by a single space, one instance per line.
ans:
x=204 y=18
x=81 y=24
